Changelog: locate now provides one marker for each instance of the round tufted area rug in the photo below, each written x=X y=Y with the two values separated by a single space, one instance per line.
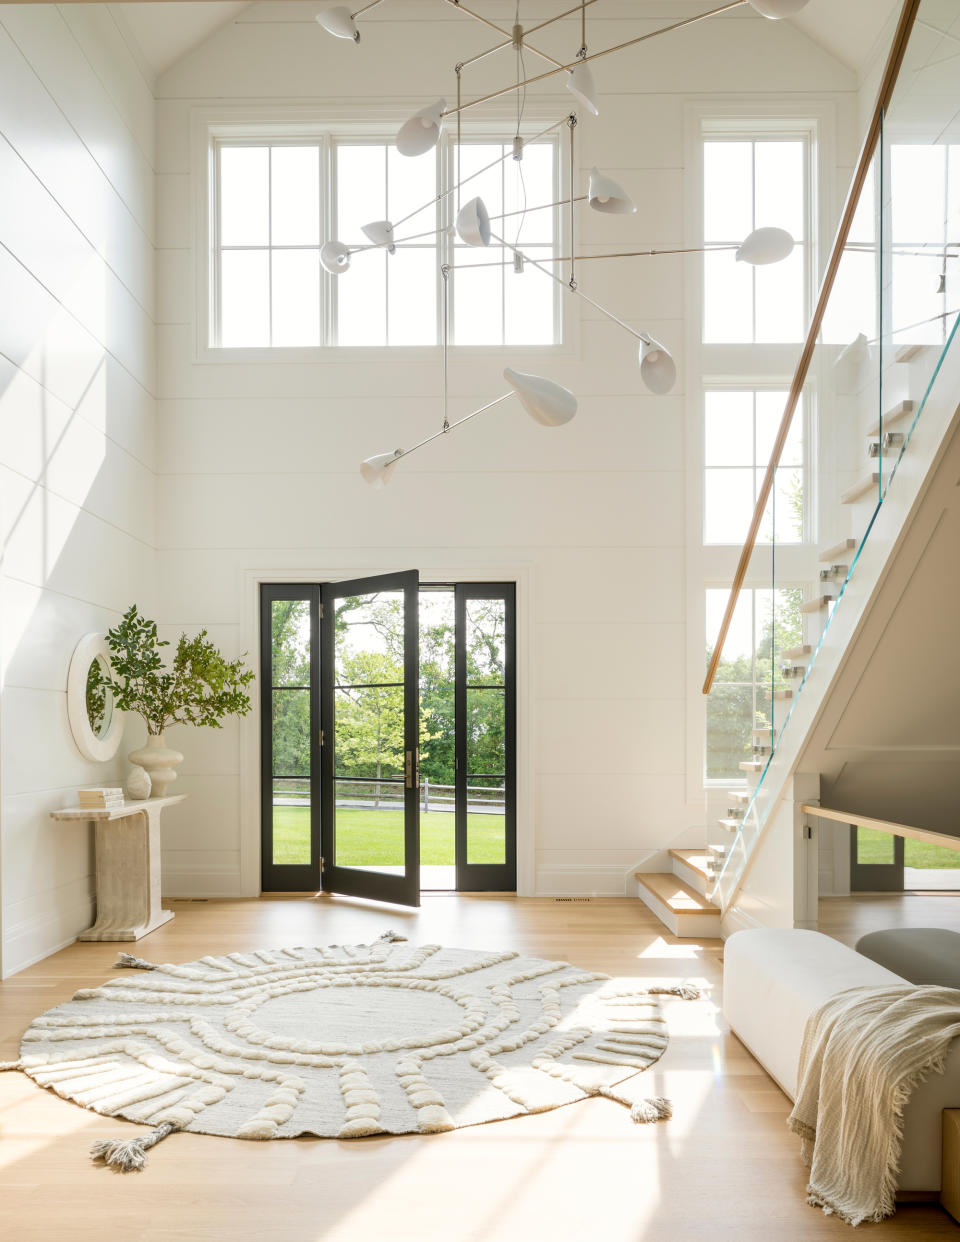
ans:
x=344 y=1041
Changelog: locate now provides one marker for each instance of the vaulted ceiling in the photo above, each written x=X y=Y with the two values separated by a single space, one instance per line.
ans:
x=162 y=32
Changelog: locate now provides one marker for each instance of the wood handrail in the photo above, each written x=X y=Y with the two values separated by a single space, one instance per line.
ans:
x=890 y=74
x=884 y=825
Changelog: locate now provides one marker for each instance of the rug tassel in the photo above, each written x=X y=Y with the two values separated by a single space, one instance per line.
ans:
x=129 y=962
x=10 y=1065
x=391 y=937
x=657 y=1108
x=688 y=991
x=129 y=1155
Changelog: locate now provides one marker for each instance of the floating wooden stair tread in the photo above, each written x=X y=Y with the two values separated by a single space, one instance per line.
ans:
x=868 y=483
x=730 y=825
x=752 y=765
x=896 y=414
x=906 y=353
x=818 y=604
x=794 y=653
x=676 y=895
x=740 y=795
x=838 y=550
x=762 y=733
x=696 y=860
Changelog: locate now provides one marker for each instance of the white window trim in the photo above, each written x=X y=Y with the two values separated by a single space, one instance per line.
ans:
x=363 y=118
x=714 y=565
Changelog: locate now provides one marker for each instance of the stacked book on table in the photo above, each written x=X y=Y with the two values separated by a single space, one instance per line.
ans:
x=101 y=799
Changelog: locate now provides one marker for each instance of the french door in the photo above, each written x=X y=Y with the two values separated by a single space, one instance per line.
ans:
x=339 y=736
x=388 y=737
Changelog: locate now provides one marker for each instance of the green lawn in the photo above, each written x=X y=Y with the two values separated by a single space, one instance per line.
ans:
x=877 y=847
x=375 y=838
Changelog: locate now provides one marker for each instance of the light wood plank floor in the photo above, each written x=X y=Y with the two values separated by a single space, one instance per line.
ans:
x=723 y=1167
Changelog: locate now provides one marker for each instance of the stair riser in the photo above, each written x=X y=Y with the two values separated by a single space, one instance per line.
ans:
x=685 y=926
x=690 y=876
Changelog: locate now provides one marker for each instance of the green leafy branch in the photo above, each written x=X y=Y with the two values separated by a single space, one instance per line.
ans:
x=199 y=688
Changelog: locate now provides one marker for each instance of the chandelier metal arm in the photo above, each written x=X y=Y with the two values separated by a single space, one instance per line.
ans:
x=549 y=73
x=466 y=418
x=622 y=254
x=559 y=17
x=573 y=288
x=493 y=163
x=462 y=8
x=372 y=5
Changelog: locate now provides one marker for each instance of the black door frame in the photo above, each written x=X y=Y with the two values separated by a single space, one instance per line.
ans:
x=356 y=881
x=486 y=877
x=287 y=877
x=313 y=877
x=876 y=877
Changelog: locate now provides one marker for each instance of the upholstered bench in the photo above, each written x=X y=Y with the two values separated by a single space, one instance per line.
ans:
x=920 y=954
x=774 y=979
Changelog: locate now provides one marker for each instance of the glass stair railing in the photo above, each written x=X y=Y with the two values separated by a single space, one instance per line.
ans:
x=886 y=315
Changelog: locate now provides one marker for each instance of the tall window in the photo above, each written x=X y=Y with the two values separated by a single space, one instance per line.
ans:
x=739 y=430
x=751 y=183
x=276 y=202
x=765 y=624
x=495 y=304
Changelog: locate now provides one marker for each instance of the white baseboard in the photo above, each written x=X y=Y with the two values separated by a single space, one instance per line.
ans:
x=45 y=933
x=210 y=882
x=581 y=880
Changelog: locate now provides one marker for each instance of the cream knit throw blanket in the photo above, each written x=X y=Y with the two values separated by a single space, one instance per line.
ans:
x=863 y=1053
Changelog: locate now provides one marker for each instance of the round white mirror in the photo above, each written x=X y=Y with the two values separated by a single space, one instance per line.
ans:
x=96 y=725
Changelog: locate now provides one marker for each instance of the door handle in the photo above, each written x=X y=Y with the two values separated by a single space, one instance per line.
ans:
x=412 y=768
x=408 y=769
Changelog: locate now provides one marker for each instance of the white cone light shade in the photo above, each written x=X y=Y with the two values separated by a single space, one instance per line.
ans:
x=657 y=367
x=335 y=257
x=339 y=21
x=546 y=402
x=582 y=87
x=473 y=223
x=776 y=9
x=422 y=132
x=376 y=470
x=765 y=246
x=608 y=196
x=380 y=233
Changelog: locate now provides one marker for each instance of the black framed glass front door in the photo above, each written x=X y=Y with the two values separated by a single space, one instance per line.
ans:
x=345 y=807
x=369 y=696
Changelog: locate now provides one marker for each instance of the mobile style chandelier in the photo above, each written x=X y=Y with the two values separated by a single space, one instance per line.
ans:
x=546 y=402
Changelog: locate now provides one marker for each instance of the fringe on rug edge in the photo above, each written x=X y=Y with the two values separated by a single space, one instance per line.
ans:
x=129 y=1155
x=128 y=961
x=686 y=991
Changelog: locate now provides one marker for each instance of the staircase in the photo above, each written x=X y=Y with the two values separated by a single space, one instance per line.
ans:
x=683 y=898
x=678 y=897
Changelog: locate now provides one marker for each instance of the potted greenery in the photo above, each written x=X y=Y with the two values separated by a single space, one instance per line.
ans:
x=200 y=687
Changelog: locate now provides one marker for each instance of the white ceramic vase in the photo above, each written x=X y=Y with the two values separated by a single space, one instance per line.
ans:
x=138 y=784
x=160 y=762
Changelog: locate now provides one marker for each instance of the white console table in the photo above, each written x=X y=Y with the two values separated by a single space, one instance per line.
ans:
x=128 y=867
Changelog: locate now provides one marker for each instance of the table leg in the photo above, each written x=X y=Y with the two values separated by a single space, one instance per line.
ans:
x=128 y=878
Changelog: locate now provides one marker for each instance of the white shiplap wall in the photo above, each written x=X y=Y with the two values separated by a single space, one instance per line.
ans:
x=77 y=426
x=257 y=463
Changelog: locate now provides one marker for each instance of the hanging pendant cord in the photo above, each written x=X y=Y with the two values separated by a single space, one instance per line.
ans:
x=572 y=122
x=445 y=273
